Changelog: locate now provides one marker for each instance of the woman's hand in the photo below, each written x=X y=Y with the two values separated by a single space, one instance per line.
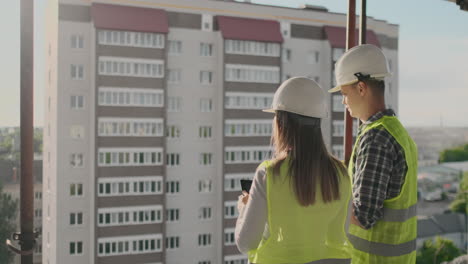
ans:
x=243 y=198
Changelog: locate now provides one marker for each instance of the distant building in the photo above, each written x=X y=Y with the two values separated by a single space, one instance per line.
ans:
x=10 y=178
x=153 y=117
x=450 y=226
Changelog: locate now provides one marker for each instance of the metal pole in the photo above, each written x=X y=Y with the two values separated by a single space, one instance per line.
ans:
x=363 y=23
x=350 y=42
x=26 y=127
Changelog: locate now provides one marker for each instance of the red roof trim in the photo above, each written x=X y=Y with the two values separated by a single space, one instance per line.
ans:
x=337 y=36
x=249 y=29
x=129 y=18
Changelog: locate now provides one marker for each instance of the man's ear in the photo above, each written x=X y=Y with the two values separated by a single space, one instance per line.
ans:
x=362 y=88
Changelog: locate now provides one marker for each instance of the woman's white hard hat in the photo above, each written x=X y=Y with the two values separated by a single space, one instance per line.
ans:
x=300 y=95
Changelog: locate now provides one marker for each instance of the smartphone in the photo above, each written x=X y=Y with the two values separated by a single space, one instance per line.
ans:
x=246 y=184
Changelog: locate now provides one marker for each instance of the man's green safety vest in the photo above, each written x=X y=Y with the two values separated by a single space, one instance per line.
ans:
x=314 y=234
x=392 y=240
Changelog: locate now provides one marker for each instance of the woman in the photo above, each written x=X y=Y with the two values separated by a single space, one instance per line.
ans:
x=297 y=208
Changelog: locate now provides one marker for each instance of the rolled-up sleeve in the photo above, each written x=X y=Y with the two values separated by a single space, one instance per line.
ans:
x=372 y=175
x=253 y=217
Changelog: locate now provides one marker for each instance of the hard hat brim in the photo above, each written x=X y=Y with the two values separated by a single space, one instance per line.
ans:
x=335 y=89
x=269 y=110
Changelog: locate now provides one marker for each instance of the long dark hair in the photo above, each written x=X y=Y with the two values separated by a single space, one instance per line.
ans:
x=299 y=138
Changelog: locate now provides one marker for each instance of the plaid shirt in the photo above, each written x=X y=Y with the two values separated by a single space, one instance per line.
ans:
x=379 y=171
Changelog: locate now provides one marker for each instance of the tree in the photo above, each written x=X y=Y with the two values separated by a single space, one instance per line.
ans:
x=8 y=211
x=436 y=252
x=455 y=154
x=459 y=204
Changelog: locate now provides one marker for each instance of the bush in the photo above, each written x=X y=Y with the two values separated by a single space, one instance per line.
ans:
x=436 y=252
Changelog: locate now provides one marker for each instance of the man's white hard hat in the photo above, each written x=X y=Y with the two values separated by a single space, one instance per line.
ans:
x=363 y=61
x=300 y=95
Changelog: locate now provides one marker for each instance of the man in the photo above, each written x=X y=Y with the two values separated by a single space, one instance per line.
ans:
x=383 y=165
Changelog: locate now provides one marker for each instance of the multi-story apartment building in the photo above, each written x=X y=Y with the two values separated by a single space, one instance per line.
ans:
x=153 y=116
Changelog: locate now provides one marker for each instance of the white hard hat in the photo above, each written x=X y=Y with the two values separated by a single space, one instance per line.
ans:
x=367 y=61
x=300 y=95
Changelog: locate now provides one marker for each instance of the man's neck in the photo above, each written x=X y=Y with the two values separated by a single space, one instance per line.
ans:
x=372 y=110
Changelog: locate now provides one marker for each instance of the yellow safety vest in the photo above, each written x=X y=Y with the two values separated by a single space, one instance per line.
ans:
x=392 y=240
x=313 y=234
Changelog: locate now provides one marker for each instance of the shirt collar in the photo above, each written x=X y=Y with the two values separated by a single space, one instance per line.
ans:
x=377 y=116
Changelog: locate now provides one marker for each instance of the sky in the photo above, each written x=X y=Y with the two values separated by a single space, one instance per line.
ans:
x=433 y=58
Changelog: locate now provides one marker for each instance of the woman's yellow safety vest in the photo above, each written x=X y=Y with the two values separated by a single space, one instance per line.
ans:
x=392 y=240
x=313 y=234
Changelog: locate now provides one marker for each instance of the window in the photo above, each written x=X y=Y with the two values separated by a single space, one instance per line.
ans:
x=286 y=55
x=77 y=42
x=206 y=77
x=38 y=213
x=338 y=128
x=230 y=209
x=77 y=132
x=250 y=127
x=113 y=96
x=142 y=185
x=313 y=57
x=174 y=76
x=206 y=105
x=338 y=151
x=204 y=132
x=229 y=239
x=76 y=248
x=235 y=259
x=128 y=245
x=38 y=195
x=120 y=216
x=207 y=22
x=256 y=48
x=337 y=103
x=76 y=72
x=206 y=159
x=204 y=240
x=76 y=219
x=76 y=189
x=173 y=131
x=204 y=213
x=175 y=47
x=172 y=242
x=134 y=127
x=251 y=154
x=172 y=187
x=337 y=53
x=172 y=159
x=172 y=215
x=243 y=100
x=250 y=73
x=131 y=39
x=76 y=160
x=131 y=67
x=206 y=49
x=174 y=104
x=232 y=181
x=286 y=29
x=77 y=102
x=204 y=186
x=129 y=157
x=204 y=262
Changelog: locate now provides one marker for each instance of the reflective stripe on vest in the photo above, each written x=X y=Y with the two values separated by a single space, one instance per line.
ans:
x=398 y=215
x=331 y=261
x=382 y=249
